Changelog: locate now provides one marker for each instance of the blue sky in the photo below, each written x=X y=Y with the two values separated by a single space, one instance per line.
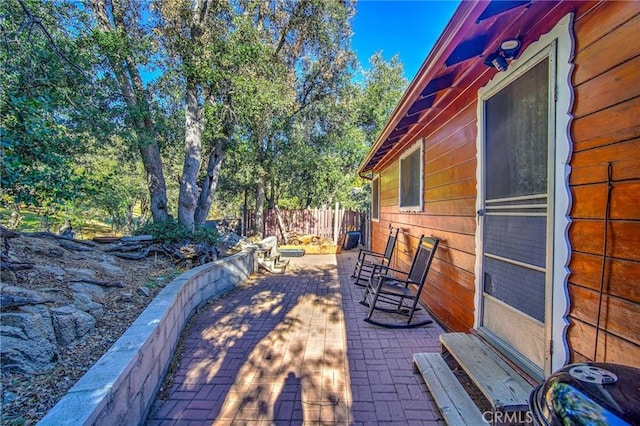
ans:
x=408 y=28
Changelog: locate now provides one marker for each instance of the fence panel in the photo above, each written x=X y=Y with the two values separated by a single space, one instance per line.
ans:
x=319 y=222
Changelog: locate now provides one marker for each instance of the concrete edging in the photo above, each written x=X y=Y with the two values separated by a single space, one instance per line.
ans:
x=121 y=386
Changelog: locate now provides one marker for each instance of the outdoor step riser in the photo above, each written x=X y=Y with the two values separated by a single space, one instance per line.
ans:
x=276 y=267
x=505 y=389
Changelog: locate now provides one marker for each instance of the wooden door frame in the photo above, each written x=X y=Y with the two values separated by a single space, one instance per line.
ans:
x=560 y=41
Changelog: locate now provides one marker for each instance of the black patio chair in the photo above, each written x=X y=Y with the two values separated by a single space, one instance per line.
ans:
x=398 y=292
x=368 y=260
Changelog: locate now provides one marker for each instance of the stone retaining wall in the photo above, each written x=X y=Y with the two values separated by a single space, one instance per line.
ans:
x=121 y=386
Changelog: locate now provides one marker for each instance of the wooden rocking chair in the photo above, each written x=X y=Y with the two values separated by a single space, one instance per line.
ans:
x=400 y=293
x=368 y=260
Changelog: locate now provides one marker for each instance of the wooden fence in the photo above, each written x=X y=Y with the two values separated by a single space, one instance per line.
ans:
x=325 y=223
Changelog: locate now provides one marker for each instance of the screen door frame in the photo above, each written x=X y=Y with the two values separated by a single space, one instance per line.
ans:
x=558 y=46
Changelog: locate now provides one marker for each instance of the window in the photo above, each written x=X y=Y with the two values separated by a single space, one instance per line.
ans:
x=375 y=198
x=410 y=191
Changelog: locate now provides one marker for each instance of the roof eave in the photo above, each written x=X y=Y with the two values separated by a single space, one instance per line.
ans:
x=466 y=14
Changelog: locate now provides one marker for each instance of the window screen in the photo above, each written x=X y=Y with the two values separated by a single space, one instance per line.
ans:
x=515 y=226
x=375 y=198
x=411 y=180
x=517 y=126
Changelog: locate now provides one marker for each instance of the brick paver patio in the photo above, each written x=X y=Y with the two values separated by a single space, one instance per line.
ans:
x=293 y=349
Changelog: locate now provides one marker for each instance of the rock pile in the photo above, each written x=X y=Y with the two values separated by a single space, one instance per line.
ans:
x=52 y=293
x=232 y=241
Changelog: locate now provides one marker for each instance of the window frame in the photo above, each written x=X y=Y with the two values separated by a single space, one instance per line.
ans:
x=417 y=146
x=375 y=196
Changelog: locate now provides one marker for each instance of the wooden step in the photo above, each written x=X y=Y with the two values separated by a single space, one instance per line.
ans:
x=456 y=406
x=505 y=389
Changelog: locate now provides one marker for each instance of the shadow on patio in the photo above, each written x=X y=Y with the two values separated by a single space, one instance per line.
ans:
x=293 y=349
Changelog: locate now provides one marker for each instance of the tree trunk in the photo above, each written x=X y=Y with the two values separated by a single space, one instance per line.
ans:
x=260 y=197
x=281 y=227
x=129 y=225
x=155 y=181
x=194 y=127
x=15 y=219
x=150 y=150
x=210 y=182
x=245 y=215
x=130 y=85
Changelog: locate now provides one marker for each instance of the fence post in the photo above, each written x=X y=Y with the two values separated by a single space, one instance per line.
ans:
x=335 y=223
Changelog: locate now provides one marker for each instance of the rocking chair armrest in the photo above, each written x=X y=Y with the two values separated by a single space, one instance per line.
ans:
x=383 y=277
x=395 y=270
x=365 y=252
x=378 y=266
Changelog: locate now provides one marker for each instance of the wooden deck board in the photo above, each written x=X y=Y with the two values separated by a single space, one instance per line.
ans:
x=456 y=406
x=505 y=389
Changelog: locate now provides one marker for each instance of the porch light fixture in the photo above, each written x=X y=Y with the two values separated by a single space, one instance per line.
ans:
x=507 y=51
x=497 y=61
x=510 y=48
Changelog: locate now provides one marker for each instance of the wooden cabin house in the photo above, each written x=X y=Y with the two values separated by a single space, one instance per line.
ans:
x=517 y=144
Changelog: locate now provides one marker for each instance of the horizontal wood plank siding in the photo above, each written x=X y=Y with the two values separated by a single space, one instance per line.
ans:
x=448 y=214
x=606 y=129
x=590 y=166
x=595 y=21
x=616 y=86
x=613 y=48
x=623 y=275
x=611 y=348
x=619 y=314
x=590 y=199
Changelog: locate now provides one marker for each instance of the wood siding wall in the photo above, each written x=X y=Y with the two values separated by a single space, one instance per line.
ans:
x=448 y=214
x=606 y=129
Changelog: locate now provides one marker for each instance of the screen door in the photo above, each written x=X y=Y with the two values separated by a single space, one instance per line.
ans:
x=515 y=218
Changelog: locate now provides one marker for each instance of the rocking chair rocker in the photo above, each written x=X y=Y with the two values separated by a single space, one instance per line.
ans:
x=369 y=260
x=393 y=294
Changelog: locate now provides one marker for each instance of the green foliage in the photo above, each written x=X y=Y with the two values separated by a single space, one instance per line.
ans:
x=173 y=232
x=46 y=105
x=276 y=83
x=113 y=184
x=382 y=88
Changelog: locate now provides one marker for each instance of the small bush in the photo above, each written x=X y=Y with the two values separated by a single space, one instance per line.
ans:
x=174 y=232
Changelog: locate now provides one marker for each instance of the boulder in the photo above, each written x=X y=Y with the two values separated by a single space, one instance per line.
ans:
x=83 y=302
x=14 y=296
x=54 y=270
x=28 y=340
x=93 y=290
x=71 y=324
x=58 y=295
x=81 y=273
x=111 y=269
x=231 y=240
x=8 y=276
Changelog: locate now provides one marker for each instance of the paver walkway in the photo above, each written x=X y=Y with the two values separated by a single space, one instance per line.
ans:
x=293 y=349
